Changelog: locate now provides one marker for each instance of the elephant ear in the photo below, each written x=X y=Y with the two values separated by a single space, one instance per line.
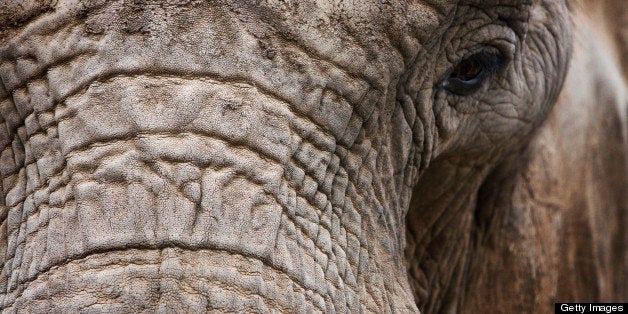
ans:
x=618 y=13
x=552 y=219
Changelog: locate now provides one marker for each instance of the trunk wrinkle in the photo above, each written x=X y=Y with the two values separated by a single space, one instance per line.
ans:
x=161 y=248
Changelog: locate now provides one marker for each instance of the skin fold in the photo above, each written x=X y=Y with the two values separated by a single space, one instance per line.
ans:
x=312 y=156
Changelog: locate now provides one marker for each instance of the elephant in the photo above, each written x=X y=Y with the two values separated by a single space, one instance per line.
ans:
x=434 y=156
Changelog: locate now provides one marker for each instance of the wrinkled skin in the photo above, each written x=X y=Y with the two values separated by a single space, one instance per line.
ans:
x=306 y=156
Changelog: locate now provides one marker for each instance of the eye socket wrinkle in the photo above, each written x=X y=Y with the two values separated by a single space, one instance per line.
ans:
x=469 y=74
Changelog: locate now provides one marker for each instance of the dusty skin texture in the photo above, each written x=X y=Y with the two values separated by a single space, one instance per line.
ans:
x=312 y=156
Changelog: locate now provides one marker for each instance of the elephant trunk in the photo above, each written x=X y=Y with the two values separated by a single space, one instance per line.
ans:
x=169 y=279
x=195 y=157
x=151 y=191
x=254 y=204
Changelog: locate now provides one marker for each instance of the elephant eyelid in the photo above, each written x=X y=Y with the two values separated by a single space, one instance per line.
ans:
x=469 y=74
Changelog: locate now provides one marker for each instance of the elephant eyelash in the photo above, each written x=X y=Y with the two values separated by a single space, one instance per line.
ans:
x=469 y=75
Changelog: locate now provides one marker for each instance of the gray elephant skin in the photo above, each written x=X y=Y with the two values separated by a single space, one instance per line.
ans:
x=312 y=156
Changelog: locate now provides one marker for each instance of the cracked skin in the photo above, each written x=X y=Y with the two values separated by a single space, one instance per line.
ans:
x=312 y=156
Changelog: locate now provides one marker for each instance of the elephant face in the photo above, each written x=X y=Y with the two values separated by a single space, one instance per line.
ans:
x=245 y=155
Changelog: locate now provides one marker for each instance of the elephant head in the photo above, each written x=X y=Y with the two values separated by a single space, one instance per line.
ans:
x=315 y=156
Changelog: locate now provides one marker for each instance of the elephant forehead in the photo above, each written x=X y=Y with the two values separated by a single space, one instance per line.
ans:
x=389 y=19
x=366 y=14
x=373 y=38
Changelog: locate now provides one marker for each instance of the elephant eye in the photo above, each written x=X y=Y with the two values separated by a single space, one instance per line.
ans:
x=468 y=75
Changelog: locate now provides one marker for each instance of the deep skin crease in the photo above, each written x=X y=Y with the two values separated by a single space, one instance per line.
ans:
x=298 y=156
